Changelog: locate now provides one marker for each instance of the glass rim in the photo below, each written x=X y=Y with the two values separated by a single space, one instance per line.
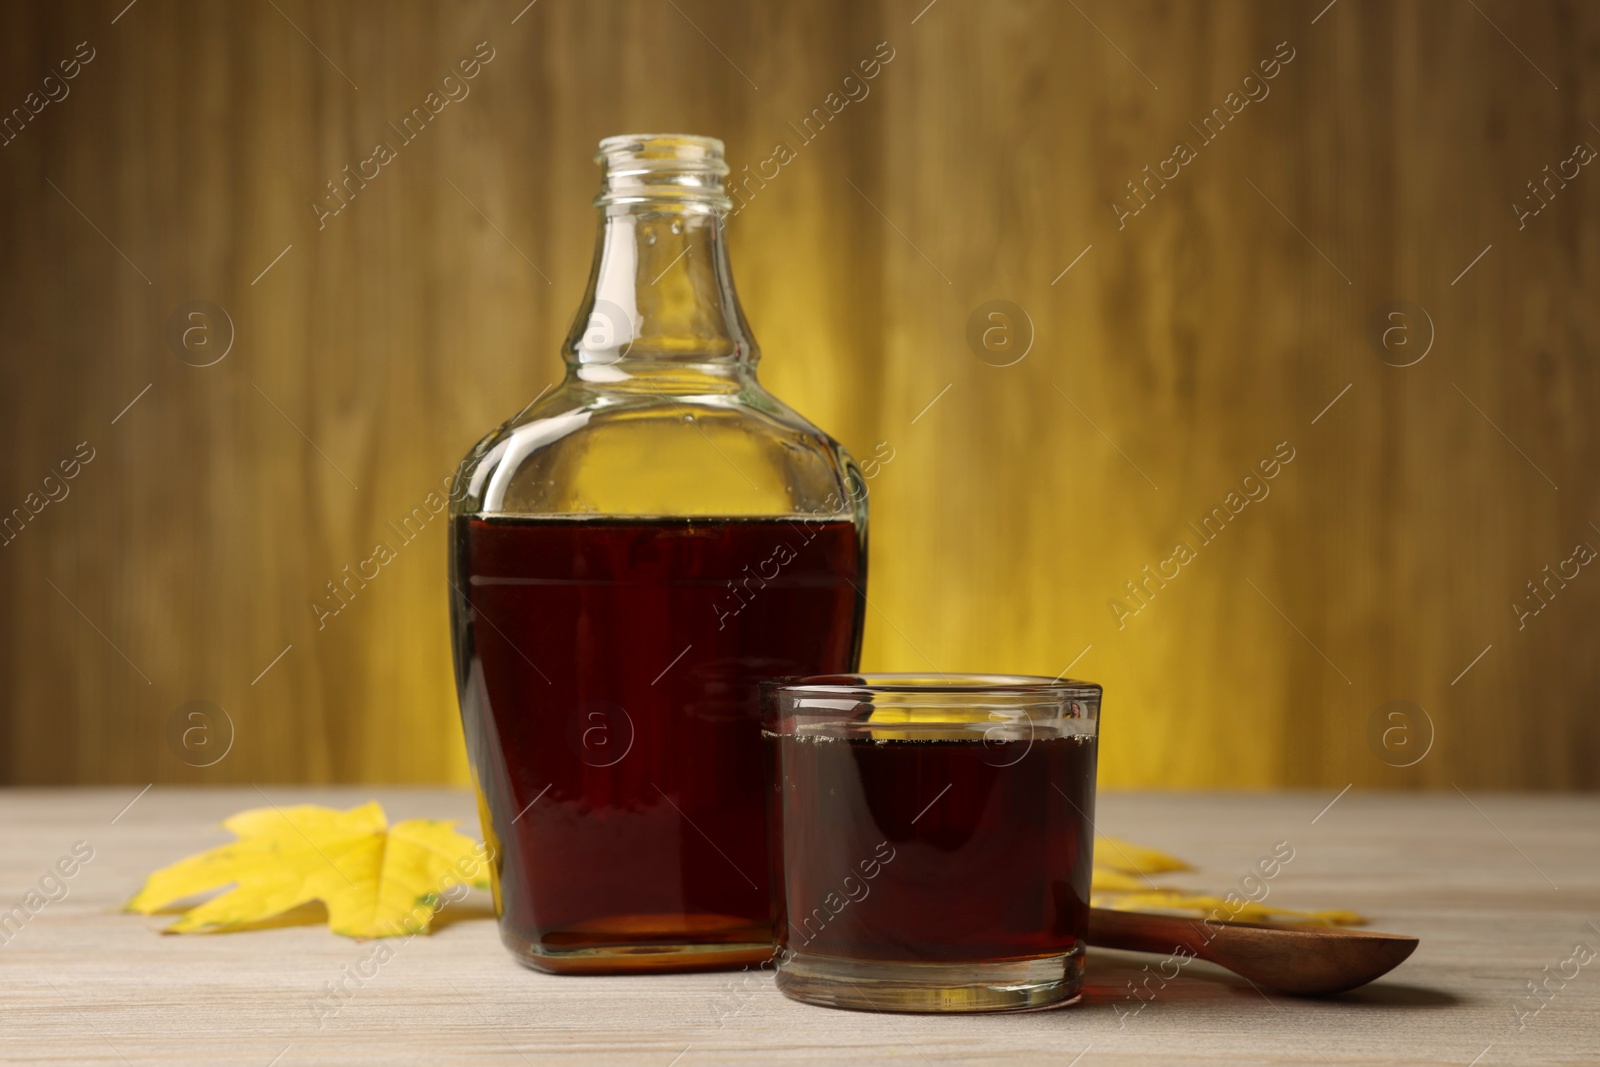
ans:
x=662 y=146
x=933 y=686
x=676 y=172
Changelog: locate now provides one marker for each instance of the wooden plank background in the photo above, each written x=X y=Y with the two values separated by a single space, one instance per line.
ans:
x=1183 y=345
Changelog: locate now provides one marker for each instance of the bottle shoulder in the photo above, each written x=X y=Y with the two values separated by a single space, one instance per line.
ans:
x=660 y=446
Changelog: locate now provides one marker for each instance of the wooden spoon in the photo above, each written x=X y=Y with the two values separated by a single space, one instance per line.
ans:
x=1309 y=961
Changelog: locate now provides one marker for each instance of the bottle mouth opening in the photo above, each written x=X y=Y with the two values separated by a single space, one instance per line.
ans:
x=663 y=168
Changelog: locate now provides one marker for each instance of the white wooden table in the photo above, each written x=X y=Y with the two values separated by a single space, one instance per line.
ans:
x=1498 y=887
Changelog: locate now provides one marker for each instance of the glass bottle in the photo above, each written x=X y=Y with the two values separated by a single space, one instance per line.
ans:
x=630 y=556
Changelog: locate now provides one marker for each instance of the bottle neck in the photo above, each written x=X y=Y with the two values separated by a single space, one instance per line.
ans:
x=661 y=291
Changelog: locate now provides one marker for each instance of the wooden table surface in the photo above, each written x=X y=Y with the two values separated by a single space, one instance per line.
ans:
x=1499 y=887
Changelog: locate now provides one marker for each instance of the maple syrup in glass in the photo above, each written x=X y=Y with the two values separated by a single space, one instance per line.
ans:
x=630 y=556
x=933 y=839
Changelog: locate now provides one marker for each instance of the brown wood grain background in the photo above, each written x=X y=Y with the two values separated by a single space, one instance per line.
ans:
x=1183 y=346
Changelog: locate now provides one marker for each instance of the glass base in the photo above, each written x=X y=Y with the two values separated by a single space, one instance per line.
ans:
x=643 y=947
x=881 y=985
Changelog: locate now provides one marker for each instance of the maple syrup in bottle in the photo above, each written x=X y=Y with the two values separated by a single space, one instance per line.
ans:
x=630 y=556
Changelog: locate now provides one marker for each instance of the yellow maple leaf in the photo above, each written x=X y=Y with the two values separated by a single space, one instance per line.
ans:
x=374 y=879
x=1235 y=909
x=1121 y=880
x=1129 y=858
x=1106 y=880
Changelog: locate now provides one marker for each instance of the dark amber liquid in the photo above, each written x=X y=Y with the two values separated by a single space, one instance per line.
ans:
x=933 y=850
x=608 y=674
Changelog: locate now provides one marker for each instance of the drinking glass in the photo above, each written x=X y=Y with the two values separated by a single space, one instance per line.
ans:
x=932 y=839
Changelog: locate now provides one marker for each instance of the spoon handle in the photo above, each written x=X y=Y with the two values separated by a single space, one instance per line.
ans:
x=1143 y=931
